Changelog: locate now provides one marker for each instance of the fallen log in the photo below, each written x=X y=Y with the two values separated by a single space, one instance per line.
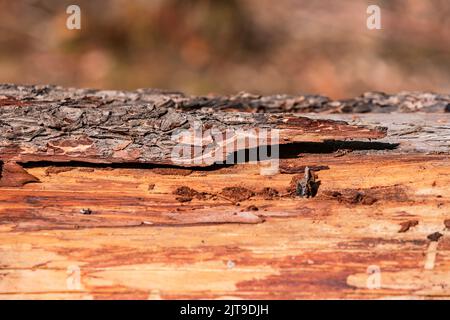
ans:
x=60 y=125
x=103 y=225
x=369 y=102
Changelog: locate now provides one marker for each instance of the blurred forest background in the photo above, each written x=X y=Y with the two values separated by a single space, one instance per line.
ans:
x=227 y=46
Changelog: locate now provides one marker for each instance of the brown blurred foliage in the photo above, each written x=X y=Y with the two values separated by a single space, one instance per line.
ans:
x=226 y=46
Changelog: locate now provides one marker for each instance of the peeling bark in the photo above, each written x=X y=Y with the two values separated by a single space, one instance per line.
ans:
x=381 y=204
x=53 y=124
x=369 y=102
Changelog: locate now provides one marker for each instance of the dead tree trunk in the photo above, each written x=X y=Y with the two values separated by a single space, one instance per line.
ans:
x=60 y=125
x=372 y=202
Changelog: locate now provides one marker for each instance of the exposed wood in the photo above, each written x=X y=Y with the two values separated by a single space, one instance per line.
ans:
x=377 y=228
x=55 y=126
x=370 y=102
x=133 y=244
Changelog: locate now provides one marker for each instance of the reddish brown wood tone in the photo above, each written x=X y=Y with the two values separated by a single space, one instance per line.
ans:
x=114 y=230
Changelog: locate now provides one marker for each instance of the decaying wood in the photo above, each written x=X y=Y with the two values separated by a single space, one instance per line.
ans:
x=57 y=125
x=410 y=132
x=87 y=129
x=370 y=102
x=378 y=226
x=132 y=244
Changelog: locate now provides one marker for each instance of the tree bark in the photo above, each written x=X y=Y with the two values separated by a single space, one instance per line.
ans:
x=369 y=102
x=56 y=124
x=127 y=230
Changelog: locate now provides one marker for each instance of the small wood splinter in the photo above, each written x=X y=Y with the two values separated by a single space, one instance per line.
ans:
x=86 y=211
x=308 y=186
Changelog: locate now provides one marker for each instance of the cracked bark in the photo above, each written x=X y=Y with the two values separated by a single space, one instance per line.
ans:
x=123 y=222
x=369 y=102
x=58 y=125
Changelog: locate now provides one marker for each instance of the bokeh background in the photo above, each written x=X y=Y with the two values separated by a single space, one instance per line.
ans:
x=227 y=46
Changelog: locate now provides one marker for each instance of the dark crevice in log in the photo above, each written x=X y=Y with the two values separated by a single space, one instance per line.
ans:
x=292 y=150
x=61 y=125
x=13 y=174
x=129 y=165
x=286 y=151
x=369 y=102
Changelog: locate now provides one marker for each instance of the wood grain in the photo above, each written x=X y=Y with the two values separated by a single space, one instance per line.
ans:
x=135 y=243
x=137 y=231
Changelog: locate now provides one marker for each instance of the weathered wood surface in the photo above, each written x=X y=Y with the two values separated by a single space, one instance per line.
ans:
x=370 y=102
x=58 y=125
x=412 y=132
x=162 y=232
x=134 y=244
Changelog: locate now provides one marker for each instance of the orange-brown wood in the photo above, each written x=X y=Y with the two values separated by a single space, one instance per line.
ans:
x=120 y=224
x=141 y=242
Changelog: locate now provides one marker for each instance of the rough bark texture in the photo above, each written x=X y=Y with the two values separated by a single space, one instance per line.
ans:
x=375 y=102
x=127 y=230
x=53 y=124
